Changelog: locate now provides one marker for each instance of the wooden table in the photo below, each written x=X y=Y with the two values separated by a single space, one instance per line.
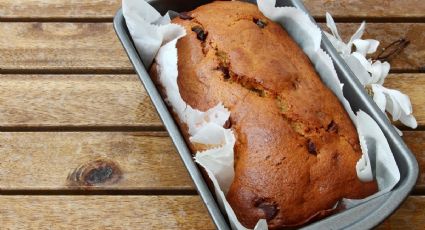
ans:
x=81 y=145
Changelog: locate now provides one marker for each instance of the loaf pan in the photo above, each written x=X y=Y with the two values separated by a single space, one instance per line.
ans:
x=364 y=216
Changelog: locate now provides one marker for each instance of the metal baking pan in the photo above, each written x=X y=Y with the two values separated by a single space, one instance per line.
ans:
x=364 y=216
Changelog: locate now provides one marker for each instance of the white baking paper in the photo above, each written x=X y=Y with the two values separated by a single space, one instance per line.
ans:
x=155 y=39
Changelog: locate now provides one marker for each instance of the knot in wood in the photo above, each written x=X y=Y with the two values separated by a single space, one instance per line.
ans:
x=98 y=172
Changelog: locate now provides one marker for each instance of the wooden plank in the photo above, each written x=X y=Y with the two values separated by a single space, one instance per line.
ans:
x=411 y=215
x=105 y=9
x=409 y=59
x=120 y=101
x=143 y=212
x=61 y=47
x=94 y=48
x=138 y=161
x=90 y=160
x=103 y=212
x=412 y=85
x=75 y=101
x=382 y=10
x=59 y=9
x=416 y=143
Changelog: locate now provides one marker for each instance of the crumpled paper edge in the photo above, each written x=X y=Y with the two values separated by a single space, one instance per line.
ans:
x=155 y=37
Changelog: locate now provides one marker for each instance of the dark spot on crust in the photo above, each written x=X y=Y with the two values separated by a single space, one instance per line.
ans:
x=260 y=23
x=185 y=16
x=311 y=147
x=332 y=127
x=200 y=33
x=258 y=201
x=269 y=209
x=94 y=173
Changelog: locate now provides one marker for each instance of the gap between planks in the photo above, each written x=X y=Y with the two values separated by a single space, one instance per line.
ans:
x=68 y=71
x=151 y=127
x=319 y=19
x=58 y=19
x=126 y=71
x=147 y=128
x=382 y=11
x=99 y=192
x=322 y=19
x=416 y=192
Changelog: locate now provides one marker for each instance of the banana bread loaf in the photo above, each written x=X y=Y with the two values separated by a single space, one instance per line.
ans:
x=296 y=148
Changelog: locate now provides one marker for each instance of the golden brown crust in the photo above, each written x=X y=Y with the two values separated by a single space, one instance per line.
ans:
x=296 y=147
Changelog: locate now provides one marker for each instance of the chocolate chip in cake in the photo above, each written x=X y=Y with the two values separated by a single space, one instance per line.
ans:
x=185 y=16
x=332 y=127
x=260 y=23
x=225 y=70
x=228 y=124
x=200 y=33
x=259 y=92
x=224 y=63
x=311 y=147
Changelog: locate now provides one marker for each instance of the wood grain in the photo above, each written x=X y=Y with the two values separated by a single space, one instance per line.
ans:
x=116 y=101
x=32 y=42
x=61 y=47
x=68 y=161
x=142 y=212
x=145 y=161
x=58 y=9
x=103 y=212
x=105 y=9
x=74 y=101
x=93 y=47
x=411 y=215
x=383 y=10
x=410 y=59
x=412 y=85
x=416 y=143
